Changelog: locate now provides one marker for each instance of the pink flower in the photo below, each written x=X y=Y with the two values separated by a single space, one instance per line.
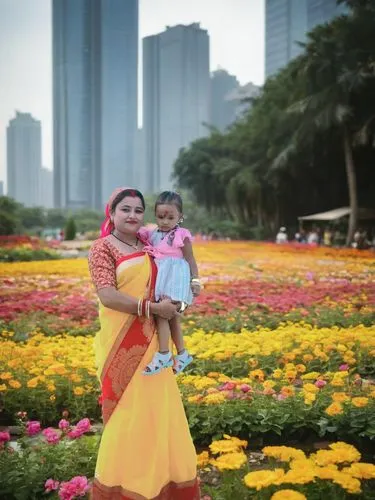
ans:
x=4 y=437
x=33 y=427
x=78 y=486
x=245 y=388
x=63 y=424
x=81 y=483
x=51 y=485
x=343 y=368
x=320 y=383
x=52 y=437
x=75 y=433
x=84 y=425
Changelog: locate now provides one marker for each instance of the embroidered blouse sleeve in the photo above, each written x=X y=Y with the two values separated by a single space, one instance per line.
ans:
x=102 y=265
x=181 y=235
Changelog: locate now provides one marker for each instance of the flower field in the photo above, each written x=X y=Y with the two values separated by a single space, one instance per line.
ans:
x=284 y=346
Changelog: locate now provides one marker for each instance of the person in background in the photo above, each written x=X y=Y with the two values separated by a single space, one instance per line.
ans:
x=282 y=236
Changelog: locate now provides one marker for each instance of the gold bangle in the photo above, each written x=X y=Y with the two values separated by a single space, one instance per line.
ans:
x=148 y=304
x=140 y=306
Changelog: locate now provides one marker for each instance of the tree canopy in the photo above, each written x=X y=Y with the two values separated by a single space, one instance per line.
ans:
x=307 y=142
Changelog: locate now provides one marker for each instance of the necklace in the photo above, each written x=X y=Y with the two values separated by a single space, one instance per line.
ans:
x=126 y=243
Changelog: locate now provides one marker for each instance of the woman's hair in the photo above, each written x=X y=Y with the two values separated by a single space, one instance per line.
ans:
x=169 y=198
x=133 y=193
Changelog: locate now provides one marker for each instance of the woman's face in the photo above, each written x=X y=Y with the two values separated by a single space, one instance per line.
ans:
x=128 y=215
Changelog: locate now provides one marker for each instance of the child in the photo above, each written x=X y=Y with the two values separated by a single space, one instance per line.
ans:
x=177 y=278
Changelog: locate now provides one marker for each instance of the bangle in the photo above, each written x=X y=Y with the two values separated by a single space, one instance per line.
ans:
x=147 y=307
x=140 y=307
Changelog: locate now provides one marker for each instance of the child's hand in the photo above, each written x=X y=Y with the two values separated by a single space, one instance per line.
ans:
x=196 y=287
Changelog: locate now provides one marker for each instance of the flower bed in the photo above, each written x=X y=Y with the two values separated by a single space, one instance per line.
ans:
x=283 y=341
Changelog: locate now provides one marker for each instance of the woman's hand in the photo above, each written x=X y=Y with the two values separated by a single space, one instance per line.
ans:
x=165 y=309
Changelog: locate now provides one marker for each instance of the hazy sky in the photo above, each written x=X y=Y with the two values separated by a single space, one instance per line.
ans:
x=236 y=29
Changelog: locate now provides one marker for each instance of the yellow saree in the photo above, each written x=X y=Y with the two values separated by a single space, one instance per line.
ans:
x=146 y=451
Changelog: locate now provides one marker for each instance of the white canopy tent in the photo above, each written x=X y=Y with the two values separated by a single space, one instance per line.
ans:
x=338 y=213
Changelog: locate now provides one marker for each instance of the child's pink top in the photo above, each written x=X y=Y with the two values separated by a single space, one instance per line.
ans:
x=161 y=249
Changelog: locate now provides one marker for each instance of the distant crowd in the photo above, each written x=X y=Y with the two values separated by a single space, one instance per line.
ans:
x=327 y=237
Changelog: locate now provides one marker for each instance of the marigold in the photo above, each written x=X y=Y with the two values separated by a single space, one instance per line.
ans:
x=214 y=398
x=361 y=470
x=203 y=459
x=360 y=402
x=340 y=397
x=283 y=453
x=348 y=483
x=334 y=409
x=230 y=461
x=15 y=384
x=227 y=445
x=263 y=478
x=3 y=387
x=288 y=495
x=78 y=391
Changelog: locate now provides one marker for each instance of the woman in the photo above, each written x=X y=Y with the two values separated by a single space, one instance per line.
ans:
x=146 y=451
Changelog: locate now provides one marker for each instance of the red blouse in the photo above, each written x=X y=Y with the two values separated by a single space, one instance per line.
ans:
x=102 y=263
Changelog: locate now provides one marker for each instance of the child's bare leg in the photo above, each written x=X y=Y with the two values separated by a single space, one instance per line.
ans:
x=164 y=334
x=176 y=333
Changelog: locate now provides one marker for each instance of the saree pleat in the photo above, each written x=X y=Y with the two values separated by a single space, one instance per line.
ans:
x=146 y=451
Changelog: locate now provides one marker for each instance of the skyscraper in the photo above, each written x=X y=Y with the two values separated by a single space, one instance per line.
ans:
x=222 y=109
x=176 y=82
x=24 y=159
x=95 y=60
x=287 y=22
x=46 y=188
x=322 y=11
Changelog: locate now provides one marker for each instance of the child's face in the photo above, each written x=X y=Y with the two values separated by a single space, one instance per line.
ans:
x=167 y=217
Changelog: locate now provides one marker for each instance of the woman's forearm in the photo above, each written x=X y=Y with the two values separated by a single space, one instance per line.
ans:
x=118 y=301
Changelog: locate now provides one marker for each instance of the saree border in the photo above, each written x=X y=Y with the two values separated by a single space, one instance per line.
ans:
x=128 y=349
x=188 y=490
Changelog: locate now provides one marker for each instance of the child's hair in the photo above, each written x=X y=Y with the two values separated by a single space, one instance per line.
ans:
x=169 y=198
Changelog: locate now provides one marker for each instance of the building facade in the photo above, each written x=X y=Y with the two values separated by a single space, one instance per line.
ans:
x=222 y=109
x=95 y=60
x=287 y=22
x=322 y=11
x=176 y=86
x=24 y=159
x=46 y=188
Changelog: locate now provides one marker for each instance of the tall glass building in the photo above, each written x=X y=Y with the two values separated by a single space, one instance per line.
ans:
x=176 y=89
x=95 y=61
x=322 y=11
x=287 y=22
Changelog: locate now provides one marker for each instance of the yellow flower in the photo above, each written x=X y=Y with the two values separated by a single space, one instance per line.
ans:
x=340 y=397
x=361 y=470
x=263 y=478
x=301 y=368
x=230 y=461
x=338 y=454
x=51 y=387
x=288 y=495
x=350 y=484
x=78 y=391
x=283 y=453
x=227 y=445
x=309 y=398
x=334 y=409
x=194 y=399
x=32 y=383
x=6 y=376
x=203 y=459
x=299 y=476
x=214 y=398
x=3 y=387
x=277 y=373
x=15 y=384
x=310 y=388
x=360 y=402
x=52 y=397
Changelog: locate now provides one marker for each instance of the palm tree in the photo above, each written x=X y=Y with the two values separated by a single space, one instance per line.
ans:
x=334 y=70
